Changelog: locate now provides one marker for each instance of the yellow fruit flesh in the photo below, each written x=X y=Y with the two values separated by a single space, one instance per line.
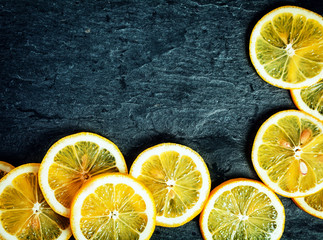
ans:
x=313 y=96
x=290 y=47
x=242 y=213
x=113 y=212
x=174 y=182
x=291 y=153
x=315 y=201
x=74 y=165
x=24 y=212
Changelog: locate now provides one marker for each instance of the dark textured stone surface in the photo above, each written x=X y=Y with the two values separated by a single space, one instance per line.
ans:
x=139 y=74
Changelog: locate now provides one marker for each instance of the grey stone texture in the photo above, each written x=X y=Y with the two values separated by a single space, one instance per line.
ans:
x=141 y=73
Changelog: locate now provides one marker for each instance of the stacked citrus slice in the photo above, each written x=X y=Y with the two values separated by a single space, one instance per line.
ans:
x=242 y=209
x=72 y=161
x=178 y=178
x=286 y=47
x=24 y=213
x=5 y=168
x=288 y=153
x=310 y=99
x=113 y=206
x=312 y=204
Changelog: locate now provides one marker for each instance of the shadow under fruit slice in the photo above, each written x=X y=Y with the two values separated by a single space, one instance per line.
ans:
x=72 y=161
x=24 y=213
x=287 y=153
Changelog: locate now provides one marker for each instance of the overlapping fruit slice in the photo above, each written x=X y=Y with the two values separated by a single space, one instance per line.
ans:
x=5 y=168
x=288 y=153
x=24 y=213
x=312 y=204
x=178 y=179
x=72 y=161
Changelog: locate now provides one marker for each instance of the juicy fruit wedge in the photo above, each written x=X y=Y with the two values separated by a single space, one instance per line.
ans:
x=178 y=179
x=286 y=47
x=113 y=206
x=24 y=213
x=5 y=168
x=310 y=99
x=242 y=209
x=312 y=204
x=72 y=161
x=288 y=153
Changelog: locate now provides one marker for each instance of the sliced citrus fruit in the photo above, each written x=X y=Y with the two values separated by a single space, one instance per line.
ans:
x=71 y=161
x=312 y=204
x=286 y=47
x=24 y=213
x=242 y=209
x=113 y=206
x=179 y=180
x=5 y=168
x=288 y=153
x=310 y=99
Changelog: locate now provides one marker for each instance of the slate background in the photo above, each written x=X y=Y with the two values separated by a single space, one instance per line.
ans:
x=140 y=73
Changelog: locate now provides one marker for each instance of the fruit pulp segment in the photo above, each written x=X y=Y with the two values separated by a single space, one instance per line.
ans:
x=289 y=144
x=312 y=96
x=242 y=213
x=174 y=182
x=19 y=215
x=290 y=47
x=315 y=200
x=113 y=211
x=74 y=165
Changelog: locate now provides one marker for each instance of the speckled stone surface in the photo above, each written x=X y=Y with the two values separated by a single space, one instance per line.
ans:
x=141 y=73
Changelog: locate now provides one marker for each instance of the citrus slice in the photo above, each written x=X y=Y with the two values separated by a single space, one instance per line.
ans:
x=286 y=47
x=179 y=180
x=113 y=206
x=73 y=160
x=5 y=168
x=312 y=204
x=242 y=209
x=24 y=213
x=310 y=99
x=288 y=153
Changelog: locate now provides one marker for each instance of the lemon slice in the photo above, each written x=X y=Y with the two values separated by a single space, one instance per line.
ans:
x=312 y=204
x=310 y=99
x=288 y=153
x=5 y=168
x=286 y=47
x=179 y=180
x=24 y=213
x=73 y=160
x=242 y=209
x=113 y=206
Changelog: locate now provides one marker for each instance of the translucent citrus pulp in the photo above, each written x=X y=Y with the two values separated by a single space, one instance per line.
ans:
x=310 y=99
x=288 y=153
x=24 y=213
x=72 y=161
x=312 y=204
x=113 y=206
x=5 y=168
x=242 y=209
x=286 y=47
x=178 y=178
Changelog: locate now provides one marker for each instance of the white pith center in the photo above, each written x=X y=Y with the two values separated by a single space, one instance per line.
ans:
x=36 y=208
x=297 y=154
x=289 y=49
x=170 y=183
x=114 y=214
x=243 y=217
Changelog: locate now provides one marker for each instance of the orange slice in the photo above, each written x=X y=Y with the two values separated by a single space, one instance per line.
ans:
x=312 y=204
x=5 y=168
x=73 y=160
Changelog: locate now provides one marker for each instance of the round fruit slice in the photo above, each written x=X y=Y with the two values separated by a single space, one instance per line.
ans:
x=72 y=161
x=113 y=206
x=5 y=168
x=24 y=213
x=288 y=153
x=286 y=47
x=310 y=99
x=312 y=204
x=242 y=209
x=179 y=180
